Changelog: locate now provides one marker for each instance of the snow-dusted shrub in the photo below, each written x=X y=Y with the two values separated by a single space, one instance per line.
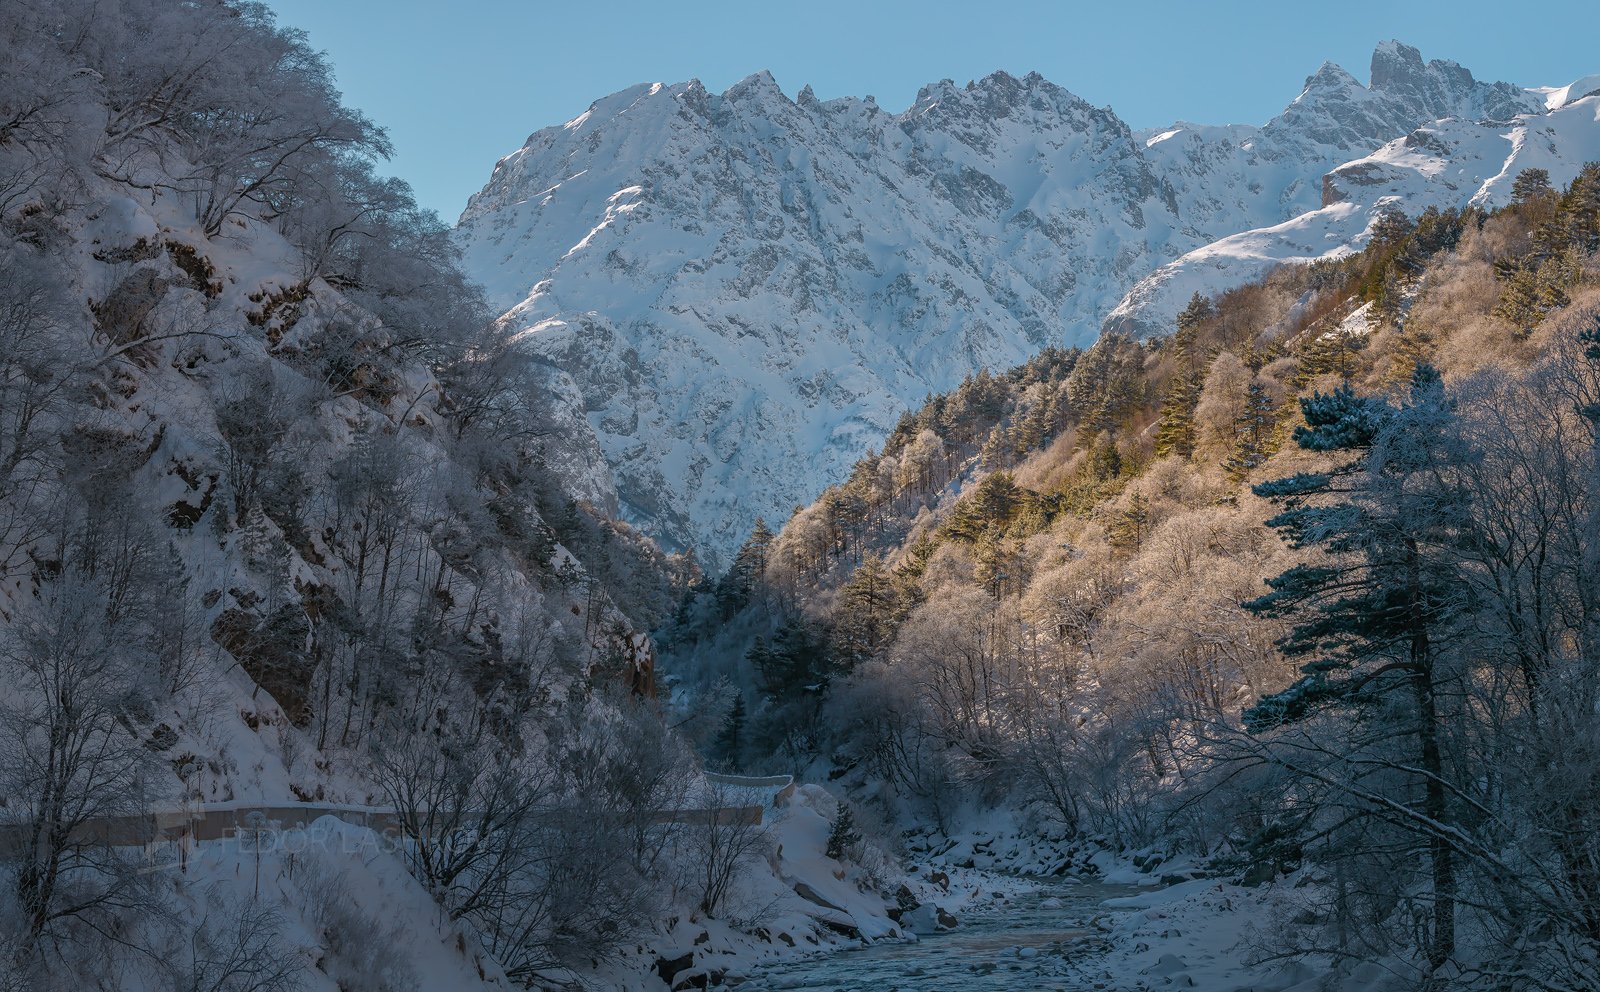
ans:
x=239 y=946
x=360 y=952
x=718 y=849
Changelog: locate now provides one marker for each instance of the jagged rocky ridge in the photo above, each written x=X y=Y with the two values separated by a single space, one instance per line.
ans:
x=746 y=289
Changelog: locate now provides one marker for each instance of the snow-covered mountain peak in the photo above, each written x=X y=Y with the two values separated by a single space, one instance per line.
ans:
x=1440 y=85
x=1453 y=162
x=1335 y=109
x=1558 y=97
x=758 y=86
x=1398 y=67
x=1330 y=77
x=746 y=289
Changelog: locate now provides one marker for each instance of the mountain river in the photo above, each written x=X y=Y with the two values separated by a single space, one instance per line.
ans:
x=1032 y=940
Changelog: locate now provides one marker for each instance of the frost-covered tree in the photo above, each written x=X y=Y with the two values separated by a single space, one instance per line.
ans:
x=1374 y=612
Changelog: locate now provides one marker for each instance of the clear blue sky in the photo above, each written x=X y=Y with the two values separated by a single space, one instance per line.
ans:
x=459 y=84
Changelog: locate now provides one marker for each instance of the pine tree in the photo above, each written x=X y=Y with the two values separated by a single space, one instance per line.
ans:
x=1413 y=346
x=1105 y=461
x=1589 y=337
x=995 y=501
x=1028 y=431
x=729 y=745
x=1101 y=417
x=1533 y=288
x=771 y=672
x=1176 y=433
x=1388 y=301
x=1252 y=434
x=1372 y=614
x=1390 y=229
x=1131 y=526
x=1519 y=297
x=750 y=561
x=1530 y=186
x=1556 y=273
x=843 y=837
x=996 y=451
x=1331 y=351
x=1199 y=310
x=794 y=663
x=867 y=614
x=747 y=575
x=997 y=564
x=1579 y=212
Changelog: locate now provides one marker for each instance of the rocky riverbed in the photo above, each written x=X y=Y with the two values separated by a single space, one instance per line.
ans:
x=1045 y=935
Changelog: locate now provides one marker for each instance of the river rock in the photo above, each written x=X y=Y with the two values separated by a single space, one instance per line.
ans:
x=1169 y=964
x=922 y=920
x=668 y=968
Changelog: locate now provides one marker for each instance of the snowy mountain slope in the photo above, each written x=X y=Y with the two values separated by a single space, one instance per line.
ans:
x=748 y=289
x=1451 y=163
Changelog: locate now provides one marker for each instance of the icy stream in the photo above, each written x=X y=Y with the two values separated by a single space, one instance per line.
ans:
x=1031 y=941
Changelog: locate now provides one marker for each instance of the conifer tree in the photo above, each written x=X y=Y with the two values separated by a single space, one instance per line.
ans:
x=1390 y=230
x=843 y=837
x=1105 y=461
x=1519 y=298
x=1131 y=526
x=1252 y=433
x=997 y=564
x=1176 y=433
x=747 y=573
x=867 y=614
x=761 y=660
x=1199 y=309
x=1579 y=212
x=1531 y=185
x=995 y=501
x=1372 y=614
x=729 y=745
x=750 y=562
x=794 y=663
x=1533 y=287
x=1330 y=351
x=1389 y=298
x=1413 y=346
x=1027 y=433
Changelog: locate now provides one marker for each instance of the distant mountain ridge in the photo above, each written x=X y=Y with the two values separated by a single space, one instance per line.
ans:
x=746 y=290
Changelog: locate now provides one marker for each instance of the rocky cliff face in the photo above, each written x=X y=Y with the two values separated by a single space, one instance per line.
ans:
x=746 y=290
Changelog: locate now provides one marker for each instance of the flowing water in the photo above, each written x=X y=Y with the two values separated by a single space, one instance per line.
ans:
x=1032 y=941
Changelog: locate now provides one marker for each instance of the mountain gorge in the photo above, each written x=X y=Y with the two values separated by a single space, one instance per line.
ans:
x=1137 y=612
x=746 y=290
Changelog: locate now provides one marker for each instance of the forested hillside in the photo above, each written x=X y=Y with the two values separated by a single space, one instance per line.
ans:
x=1306 y=585
x=282 y=520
